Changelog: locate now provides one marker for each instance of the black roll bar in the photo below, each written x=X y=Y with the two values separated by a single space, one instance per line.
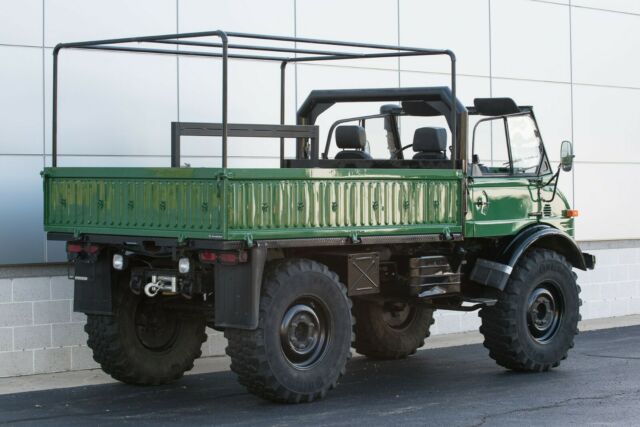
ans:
x=223 y=52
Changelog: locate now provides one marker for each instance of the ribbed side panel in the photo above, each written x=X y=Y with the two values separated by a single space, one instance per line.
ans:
x=304 y=204
x=172 y=205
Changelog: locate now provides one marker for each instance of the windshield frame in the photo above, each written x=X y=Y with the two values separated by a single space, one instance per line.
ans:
x=543 y=158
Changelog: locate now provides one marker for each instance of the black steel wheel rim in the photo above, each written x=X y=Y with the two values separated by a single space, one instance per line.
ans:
x=398 y=315
x=545 y=310
x=157 y=329
x=305 y=332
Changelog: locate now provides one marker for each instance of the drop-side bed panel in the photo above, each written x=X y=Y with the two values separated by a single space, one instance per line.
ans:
x=241 y=204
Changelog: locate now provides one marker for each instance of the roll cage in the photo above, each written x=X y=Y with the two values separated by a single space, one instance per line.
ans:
x=306 y=134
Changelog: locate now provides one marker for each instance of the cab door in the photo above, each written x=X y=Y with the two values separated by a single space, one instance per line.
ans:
x=503 y=186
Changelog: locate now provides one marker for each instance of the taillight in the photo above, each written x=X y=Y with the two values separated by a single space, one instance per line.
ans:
x=228 y=258
x=224 y=257
x=91 y=249
x=207 y=256
x=74 y=248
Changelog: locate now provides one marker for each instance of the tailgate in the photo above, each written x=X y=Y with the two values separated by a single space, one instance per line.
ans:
x=159 y=202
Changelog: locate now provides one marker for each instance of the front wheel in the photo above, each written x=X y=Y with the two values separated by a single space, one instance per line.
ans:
x=533 y=324
x=302 y=343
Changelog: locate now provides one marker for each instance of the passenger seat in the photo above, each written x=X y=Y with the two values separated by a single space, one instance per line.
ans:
x=430 y=143
x=351 y=140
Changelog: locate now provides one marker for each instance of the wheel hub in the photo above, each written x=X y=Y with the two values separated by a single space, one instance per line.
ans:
x=156 y=329
x=398 y=315
x=544 y=313
x=304 y=333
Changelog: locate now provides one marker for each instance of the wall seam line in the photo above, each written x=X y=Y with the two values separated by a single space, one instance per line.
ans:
x=44 y=132
x=573 y=170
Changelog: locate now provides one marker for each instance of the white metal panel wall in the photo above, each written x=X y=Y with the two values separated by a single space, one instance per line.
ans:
x=578 y=65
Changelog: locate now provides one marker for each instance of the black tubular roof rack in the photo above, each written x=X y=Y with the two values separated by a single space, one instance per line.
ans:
x=225 y=50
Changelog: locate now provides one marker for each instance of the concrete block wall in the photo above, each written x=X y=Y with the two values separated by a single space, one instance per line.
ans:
x=39 y=333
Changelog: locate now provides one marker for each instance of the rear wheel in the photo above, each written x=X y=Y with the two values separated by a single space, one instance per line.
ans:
x=533 y=325
x=390 y=330
x=143 y=342
x=302 y=343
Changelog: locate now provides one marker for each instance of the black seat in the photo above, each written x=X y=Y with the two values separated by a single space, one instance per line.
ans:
x=351 y=140
x=430 y=144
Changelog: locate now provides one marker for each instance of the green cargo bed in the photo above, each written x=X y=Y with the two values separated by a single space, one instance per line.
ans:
x=250 y=204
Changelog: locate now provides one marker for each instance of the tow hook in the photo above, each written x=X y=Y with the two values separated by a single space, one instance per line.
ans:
x=161 y=284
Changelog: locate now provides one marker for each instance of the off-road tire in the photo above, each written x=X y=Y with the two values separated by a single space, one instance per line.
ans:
x=120 y=352
x=259 y=357
x=377 y=339
x=507 y=328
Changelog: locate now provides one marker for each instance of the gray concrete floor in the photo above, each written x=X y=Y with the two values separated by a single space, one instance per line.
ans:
x=459 y=385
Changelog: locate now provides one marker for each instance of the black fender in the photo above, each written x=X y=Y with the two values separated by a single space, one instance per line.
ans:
x=496 y=272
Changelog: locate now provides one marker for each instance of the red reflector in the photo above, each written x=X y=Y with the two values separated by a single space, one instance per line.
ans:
x=207 y=256
x=91 y=249
x=224 y=257
x=74 y=248
x=228 y=258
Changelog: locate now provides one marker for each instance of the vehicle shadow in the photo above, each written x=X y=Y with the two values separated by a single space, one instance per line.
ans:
x=370 y=392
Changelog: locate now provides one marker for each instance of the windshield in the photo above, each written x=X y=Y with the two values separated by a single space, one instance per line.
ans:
x=508 y=145
x=526 y=145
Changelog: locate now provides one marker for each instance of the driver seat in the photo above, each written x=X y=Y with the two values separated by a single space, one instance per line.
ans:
x=430 y=143
x=351 y=139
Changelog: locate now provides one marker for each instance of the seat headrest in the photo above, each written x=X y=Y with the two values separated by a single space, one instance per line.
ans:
x=430 y=140
x=351 y=137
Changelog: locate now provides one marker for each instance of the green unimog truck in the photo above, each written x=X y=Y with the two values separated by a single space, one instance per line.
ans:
x=352 y=243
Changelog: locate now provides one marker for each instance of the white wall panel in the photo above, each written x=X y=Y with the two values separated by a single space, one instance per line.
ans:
x=467 y=89
x=606 y=196
x=78 y=20
x=441 y=25
x=21 y=22
x=565 y=185
x=369 y=21
x=606 y=48
x=113 y=103
x=606 y=124
x=247 y=162
x=365 y=21
x=254 y=97
x=20 y=100
x=530 y=40
x=629 y=6
x=112 y=161
x=551 y=104
x=250 y=16
x=21 y=232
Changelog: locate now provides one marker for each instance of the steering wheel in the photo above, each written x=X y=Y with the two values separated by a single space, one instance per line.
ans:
x=400 y=150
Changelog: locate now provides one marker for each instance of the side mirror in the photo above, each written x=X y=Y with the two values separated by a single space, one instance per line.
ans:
x=566 y=156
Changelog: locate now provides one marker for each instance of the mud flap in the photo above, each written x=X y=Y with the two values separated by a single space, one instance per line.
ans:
x=92 y=285
x=237 y=291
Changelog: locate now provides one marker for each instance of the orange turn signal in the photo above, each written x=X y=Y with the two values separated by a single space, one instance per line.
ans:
x=570 y=213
